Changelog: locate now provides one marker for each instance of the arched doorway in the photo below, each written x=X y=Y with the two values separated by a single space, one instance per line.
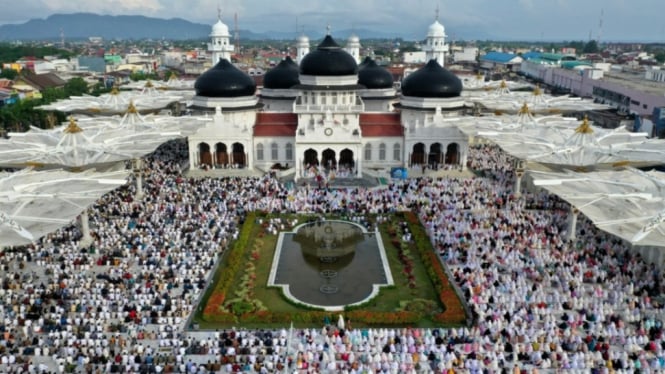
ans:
x=418 y=154
x=238 y=155
x=452 y=154
x=346 y=160
x=221 y=154
x=435 y=156
x=205 y=157
x=328 y=160
x=311 y=158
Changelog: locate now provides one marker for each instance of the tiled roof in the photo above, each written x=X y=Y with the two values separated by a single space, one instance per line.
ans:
x=275 y=124
x=380 y=124
x=4 y=82
x=42 y=81
x=275 y=130
x=265 y=118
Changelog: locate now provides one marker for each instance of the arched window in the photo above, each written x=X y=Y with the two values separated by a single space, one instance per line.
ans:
x=289 y=152
x=397 y=152
x=259 y=152
x=382 y=152
x=368 y=152
x=274 y=151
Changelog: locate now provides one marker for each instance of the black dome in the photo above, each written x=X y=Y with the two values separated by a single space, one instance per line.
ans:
x=224 y=80
x=284 y=75
x=364 y=63
x=432 y=80
x=373 y=76
x=328 y=59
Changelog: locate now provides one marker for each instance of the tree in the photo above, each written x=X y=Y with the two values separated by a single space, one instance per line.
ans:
x=590 y=47
x=8 y=74
x=659 y=56
x=76 y=87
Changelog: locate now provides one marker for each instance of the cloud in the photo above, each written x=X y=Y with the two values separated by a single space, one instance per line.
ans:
x=555 y=19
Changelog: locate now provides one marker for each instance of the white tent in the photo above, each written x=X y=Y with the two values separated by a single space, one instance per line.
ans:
x=33 y=204
x=628 y=203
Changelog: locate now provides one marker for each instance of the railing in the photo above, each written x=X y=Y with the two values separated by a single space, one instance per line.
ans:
x=317 y=108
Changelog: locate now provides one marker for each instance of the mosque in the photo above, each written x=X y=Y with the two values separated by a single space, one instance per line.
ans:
x=327 y=112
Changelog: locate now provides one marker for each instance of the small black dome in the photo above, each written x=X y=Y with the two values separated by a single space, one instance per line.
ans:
x=224 y=80
x=432 y=80
x=364 y=63
x=374 y=76
x=328 y=59
x=283 y=76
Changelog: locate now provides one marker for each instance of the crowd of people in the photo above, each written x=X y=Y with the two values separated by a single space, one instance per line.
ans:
x=539 y=303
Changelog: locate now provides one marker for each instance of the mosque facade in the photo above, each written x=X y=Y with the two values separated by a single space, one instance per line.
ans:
x=327 y=112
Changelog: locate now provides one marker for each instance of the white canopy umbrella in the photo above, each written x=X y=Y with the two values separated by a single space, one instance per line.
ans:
x=173 y=83
x=478 y=82
x=35 y=203
x=581 y=146
x=628 y=203
x=116 y=102
x=74 y=147
x=503 y=101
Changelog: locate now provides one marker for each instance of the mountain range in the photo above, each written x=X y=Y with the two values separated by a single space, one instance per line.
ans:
x=83 y=25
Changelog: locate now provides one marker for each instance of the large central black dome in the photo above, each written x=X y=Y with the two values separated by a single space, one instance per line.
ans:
x=224 y=80
x=374 y=76
x=283 y=76
x=432 y=80
x=328 y=59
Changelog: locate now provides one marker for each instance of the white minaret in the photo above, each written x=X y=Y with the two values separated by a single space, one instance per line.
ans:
x=302 y=47
x=353 y=47
x=436 y=47
x=220 y=44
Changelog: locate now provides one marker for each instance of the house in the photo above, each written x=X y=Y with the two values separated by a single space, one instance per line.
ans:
x=39 y=82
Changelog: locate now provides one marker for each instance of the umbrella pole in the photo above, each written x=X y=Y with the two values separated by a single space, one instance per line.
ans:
x=572 y=223
x=86 y=239
x=137 y=164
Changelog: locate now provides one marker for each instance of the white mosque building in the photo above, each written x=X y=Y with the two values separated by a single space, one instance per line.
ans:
x=326 y=113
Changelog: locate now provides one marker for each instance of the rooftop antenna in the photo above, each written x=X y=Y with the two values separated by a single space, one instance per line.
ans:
x=600 y=26
x=237 y=32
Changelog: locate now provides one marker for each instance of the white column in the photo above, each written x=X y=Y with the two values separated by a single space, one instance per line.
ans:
x=572 y=223
x=359 y=168
x=138 y=174
x=517 y=189
x=86 y=239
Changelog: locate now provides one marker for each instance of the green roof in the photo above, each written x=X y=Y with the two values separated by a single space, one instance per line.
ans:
x=574 y=64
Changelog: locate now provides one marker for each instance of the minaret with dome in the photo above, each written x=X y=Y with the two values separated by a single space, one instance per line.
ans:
x=435 y=47
x=302 y=47
x=220 y=41
x=353 y=47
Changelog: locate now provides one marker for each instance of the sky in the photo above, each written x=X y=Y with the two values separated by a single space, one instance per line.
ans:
x=535 y=20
